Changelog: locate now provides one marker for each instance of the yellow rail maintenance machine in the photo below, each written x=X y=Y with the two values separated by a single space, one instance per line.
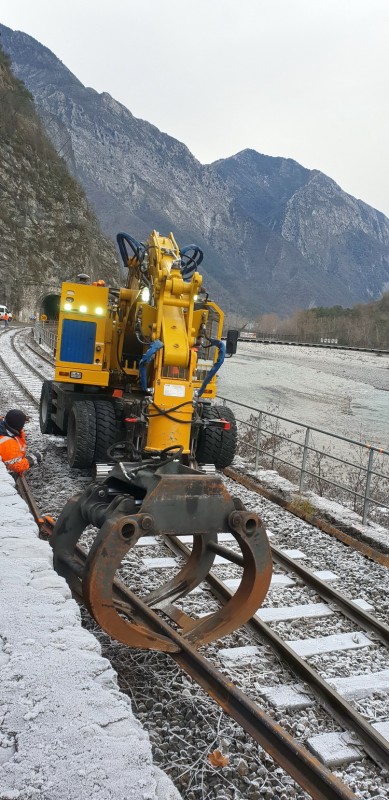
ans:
x=135 y=377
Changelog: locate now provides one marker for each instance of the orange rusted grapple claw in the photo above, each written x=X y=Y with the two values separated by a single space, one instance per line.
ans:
x=168 y=500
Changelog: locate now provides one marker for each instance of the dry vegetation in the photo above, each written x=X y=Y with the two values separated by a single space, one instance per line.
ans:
x=364 y=325
x=280 y=447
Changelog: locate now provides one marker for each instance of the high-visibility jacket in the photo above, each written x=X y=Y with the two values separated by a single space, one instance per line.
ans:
x=13 y=451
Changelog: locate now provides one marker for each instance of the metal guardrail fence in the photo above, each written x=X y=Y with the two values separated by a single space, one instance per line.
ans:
x=45 y=334
x=311 y=455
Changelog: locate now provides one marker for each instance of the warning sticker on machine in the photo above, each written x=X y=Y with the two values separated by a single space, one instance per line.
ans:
x=174 y=390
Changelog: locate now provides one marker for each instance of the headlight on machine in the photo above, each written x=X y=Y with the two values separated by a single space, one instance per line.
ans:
x=76 y=374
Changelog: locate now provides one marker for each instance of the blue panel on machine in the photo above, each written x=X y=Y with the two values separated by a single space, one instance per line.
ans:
x=78 y=341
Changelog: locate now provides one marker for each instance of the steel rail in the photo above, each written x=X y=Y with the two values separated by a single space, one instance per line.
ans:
x=317 y=522
x=294 y=758
x=43 y=354
x=25 y=492
x=25 y=361
x=18 y=382
x=374 y=744
x=349 y=608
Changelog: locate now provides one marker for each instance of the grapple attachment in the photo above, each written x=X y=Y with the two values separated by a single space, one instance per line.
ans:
x=166 y=499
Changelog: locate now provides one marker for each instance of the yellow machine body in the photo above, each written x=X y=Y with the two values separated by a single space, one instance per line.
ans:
x=135 y=370
x=84 y=335
x=103 y=335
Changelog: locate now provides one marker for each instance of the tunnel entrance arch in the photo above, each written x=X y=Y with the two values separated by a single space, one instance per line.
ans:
x=49 y=306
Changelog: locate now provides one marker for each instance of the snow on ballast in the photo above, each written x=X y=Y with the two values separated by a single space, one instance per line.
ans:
x=66 y=731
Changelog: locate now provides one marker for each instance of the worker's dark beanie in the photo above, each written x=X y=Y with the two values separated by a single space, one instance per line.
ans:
x=15 y=419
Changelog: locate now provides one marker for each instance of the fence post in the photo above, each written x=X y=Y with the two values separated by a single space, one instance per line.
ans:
x=259 y=426
x=304 y=461
x=367 y=487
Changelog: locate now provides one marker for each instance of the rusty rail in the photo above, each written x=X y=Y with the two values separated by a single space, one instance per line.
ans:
x=375 y=744
x=298 y=762
x=312 y=519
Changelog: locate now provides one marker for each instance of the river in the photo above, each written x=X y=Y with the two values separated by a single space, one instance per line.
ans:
x=344 y=392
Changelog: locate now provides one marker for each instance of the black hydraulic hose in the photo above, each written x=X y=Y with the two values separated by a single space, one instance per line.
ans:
x=191 y=258
x=138 y=248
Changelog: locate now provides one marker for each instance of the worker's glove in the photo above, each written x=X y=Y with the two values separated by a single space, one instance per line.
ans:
x=34 y=458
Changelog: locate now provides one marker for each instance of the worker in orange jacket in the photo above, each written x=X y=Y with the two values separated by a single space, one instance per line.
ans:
x=13 y=444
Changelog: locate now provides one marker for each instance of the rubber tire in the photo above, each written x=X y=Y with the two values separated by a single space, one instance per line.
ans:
x=82 y=434
x=215 y=445
x=106 y=429
x=45 y=408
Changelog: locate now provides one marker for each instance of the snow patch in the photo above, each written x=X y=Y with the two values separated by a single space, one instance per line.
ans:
x=75 y=733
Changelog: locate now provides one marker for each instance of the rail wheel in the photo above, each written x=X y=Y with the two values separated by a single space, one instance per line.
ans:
x=216 y=445
x=106 y=429
x=82 y=434
x=45 y=409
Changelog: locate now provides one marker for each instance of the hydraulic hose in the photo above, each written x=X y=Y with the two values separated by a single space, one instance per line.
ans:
x=146 y=358
x=219 y=361
x=191 y=258
x=138 y=248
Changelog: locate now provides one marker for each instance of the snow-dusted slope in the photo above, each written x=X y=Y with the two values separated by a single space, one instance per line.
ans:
x=66 y=732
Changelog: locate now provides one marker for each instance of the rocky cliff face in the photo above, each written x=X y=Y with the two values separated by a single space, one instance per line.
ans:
x=268 y=226
x=261 y=184
x=343 y=239
x=48 y=233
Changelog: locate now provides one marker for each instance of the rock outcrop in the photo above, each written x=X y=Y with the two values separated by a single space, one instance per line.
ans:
x=48 y=232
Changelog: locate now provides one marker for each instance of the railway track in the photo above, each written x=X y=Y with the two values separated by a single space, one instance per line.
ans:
x=347 y=639
x=320 y=696
x=375 y=744
x=23 y=366
x=288 y=752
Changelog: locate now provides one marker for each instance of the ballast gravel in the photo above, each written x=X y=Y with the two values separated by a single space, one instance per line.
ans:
x=184 y=725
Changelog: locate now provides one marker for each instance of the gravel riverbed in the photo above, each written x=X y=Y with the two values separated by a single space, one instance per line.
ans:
x=341 y=391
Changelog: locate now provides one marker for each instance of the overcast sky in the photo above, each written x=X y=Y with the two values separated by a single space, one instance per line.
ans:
x=304 y=79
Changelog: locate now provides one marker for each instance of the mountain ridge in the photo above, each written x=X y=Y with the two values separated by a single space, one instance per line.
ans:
x=261 y=220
